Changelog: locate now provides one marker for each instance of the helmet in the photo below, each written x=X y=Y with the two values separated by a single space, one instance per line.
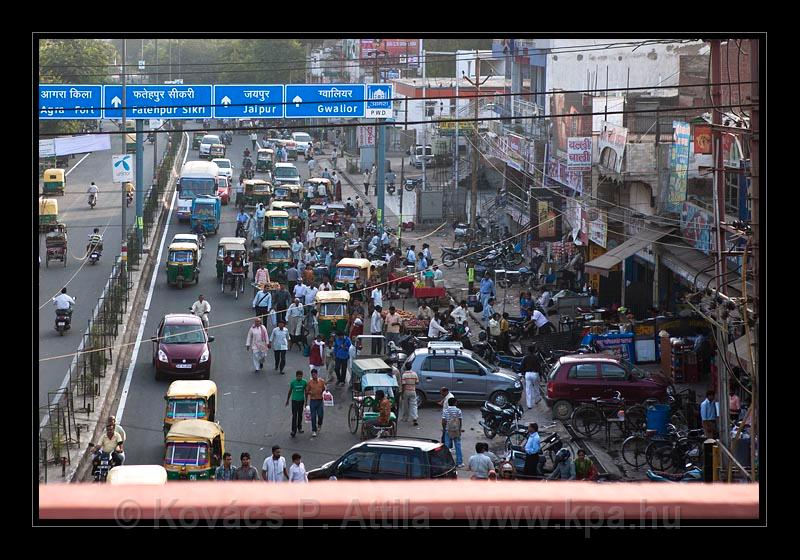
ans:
x=562 y=455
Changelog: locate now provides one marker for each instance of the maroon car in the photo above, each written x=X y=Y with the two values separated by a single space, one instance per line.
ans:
x=180 y=347
x=224 y=189
x=575 y=379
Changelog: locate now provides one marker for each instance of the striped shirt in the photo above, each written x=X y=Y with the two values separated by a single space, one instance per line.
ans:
x=451 y=412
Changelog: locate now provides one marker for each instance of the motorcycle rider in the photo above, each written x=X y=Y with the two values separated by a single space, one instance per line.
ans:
x=93 y=190
x=241 y=222
x=202 y=308
x=129 y=190
x=113 y=443
x=95 y=241
x=64 y=302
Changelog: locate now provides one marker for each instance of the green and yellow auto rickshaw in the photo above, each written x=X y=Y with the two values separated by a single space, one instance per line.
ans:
x=332 y=312
x=265 y=160
x=193 y=450
x=48 y=213
x=293 y=209
x=255 y=191
x=276 y=225
x=190 y=400
x=348 y=270
x=277 y=255
x=182 y=264
x=222 y=250
x=54 y=181
x=197 y=138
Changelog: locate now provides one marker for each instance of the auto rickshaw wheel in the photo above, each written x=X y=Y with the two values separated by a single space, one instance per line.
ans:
x=179 y=282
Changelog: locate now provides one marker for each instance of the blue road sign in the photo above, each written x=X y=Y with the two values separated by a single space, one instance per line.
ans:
x=379 y=100
x=325 y=100
x=261 y=101
x=70 y=101
x=159 y=101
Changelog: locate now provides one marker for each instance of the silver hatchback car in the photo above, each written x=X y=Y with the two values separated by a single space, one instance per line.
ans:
x=468 y=377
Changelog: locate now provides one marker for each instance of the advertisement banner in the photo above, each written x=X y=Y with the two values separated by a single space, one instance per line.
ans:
x=47 y=148
x=579 y=153
x=701 y=136
x=611 y=145
x=559 y=174
x=68 y=145
x=548 y=218
x=696 y=225
x=514 y=152
x=394 y=48
x=679 y=162
x=598 y=226
x=577 y=104
x=366 y=136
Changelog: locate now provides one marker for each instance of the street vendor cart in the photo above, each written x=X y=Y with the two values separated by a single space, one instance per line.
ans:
x=56 y=244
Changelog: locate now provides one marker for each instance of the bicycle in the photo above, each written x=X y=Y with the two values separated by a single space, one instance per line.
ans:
x=680 y=447
x=588 y=418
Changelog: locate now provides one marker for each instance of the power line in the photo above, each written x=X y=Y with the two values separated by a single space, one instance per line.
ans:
x=418 y=53
x=675 y=111
x=410 y=98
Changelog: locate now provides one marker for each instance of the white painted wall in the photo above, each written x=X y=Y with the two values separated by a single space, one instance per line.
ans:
x=650 y=65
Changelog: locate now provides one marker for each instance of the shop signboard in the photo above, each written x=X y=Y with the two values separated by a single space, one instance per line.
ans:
x=679 y=163
x=579 y=153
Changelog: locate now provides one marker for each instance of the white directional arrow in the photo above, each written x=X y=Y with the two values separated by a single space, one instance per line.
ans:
x=116 y=102
x=225 y=100
x=297 y=100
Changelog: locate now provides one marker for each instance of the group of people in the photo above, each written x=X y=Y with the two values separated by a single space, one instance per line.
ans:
x=274 y=468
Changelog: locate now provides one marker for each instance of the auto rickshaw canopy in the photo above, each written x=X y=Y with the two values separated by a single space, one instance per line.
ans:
x=197 y=430
x=276 y=244
x=232 y=241
x=257 y=185
x=277 y=214
x=191 y=389
x=151 y=475
x=283 y=204
x=264 y=152
x=48 y=207
x=362 y=264
x=53 y=175
x=332 y=296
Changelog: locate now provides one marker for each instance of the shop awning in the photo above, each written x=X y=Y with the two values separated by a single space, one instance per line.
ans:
x=739 y=354
x=694 y=266
x=604 y=263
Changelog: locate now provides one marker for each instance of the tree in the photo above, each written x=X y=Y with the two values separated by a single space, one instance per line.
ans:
x=73 y=61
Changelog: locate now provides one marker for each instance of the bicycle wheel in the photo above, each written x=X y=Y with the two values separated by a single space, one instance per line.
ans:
x=659 y=455
x=587 y=420
x=636 y=418
x=353 y=417
x=633 y=450
x=691 y=451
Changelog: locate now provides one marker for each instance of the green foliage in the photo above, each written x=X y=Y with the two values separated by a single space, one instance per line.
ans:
x=75 y=61
x=447 y=68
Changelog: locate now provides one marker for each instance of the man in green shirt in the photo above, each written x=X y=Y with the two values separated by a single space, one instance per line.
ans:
x=297 y=393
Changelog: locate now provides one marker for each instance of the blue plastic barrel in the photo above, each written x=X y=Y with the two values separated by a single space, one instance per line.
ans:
x=658 y=417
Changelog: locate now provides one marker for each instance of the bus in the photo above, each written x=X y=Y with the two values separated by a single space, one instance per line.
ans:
x=197 y=178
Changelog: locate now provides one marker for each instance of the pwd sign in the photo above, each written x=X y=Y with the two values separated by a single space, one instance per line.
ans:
x=379 y=101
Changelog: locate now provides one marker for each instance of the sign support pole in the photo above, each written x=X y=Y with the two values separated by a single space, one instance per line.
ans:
x=139 y=179
x=123 y=237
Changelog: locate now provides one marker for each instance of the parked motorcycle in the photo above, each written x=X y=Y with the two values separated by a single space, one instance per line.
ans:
x=501 y=420
x=411 y=184
x=450 y=255
x=692 y=473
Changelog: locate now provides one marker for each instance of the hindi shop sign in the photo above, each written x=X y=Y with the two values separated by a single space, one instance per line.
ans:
x=240 y=101
x=159 y=101
x=579 y=153
x=70 y=101
x=325 y=100
x=366 y=136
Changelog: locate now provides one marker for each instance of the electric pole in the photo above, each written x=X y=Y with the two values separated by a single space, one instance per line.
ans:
x=473 y=210
x=380 y=152
x=755 y=224
x=155 y=136
x=124 y=136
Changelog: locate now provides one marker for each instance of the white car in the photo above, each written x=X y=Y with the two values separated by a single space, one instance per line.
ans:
x=225 y=167
x=286 y=174
x=205 y=144
x=302 y=140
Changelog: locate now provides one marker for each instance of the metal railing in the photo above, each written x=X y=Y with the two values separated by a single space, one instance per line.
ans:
x=95 y=353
